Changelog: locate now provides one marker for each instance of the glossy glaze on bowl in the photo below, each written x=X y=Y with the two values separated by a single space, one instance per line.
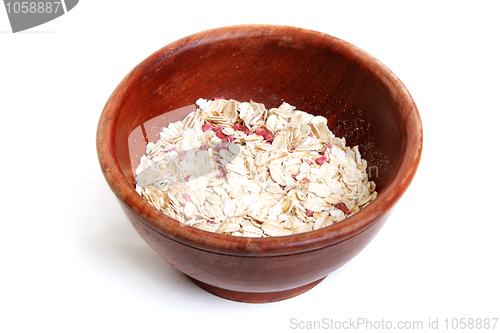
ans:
x=361 y=98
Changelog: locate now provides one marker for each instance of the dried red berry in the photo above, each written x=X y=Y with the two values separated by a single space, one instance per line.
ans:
x=343 y=207
x=261 y=131
x=221 y=146
x=220 y=135
x=329 y=145
x=309 y=213
x=186 y=197
x=247 y=131
x=237 y=127
x=206 y=127
x=204 y=146
x=268 y=137
x=320 y=160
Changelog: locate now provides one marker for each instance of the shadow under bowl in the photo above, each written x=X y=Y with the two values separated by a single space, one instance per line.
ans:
x=320 y=74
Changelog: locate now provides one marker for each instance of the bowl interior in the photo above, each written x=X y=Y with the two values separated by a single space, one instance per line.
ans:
x=316 y=73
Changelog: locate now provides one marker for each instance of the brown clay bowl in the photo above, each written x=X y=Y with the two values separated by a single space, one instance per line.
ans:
x=361 y=98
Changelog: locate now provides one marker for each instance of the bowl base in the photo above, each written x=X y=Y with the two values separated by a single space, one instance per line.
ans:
x=245 y=297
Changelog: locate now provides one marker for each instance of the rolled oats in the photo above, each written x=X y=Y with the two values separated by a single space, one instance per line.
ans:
x=239 y=169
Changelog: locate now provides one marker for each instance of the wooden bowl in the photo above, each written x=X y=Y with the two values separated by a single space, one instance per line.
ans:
x=361 y=98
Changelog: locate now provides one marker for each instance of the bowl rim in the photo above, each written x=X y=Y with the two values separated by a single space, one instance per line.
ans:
x=268 y=246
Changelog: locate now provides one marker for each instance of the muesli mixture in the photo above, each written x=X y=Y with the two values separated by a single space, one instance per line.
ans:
x=239 y=169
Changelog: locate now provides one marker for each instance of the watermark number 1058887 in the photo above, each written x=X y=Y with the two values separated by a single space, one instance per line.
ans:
x=28 y=14
x=33 y=7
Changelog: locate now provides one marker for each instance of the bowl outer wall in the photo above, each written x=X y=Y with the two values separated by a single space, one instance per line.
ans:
x=254 y=274
x=245 y=246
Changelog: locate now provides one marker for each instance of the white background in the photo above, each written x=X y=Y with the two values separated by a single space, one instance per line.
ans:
x=70 y=260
